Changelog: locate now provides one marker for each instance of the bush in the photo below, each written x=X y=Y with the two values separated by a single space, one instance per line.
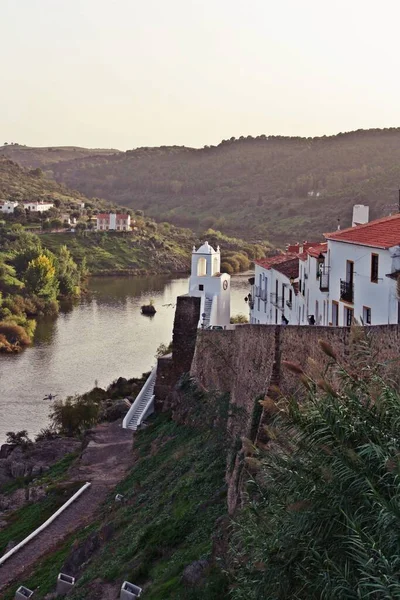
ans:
x=18 y=438
x=15 y=335
x=239 y=319
x=74 y=415
x=227 y=268
x=323 y=521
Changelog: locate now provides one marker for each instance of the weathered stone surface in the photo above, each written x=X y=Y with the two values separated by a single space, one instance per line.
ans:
x=195 y=572
x=114 y=409
x=247 y=363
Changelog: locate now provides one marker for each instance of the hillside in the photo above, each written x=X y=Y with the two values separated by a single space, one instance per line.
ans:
x=18 y=183
x=29 y=157
x=253 y=187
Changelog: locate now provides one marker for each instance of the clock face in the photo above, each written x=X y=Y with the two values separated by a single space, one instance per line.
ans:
x=225 y=284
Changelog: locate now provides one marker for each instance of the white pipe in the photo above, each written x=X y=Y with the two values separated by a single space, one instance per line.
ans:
x=44 y=525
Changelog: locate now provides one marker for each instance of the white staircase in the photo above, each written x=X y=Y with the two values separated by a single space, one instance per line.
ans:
x=207 y=311
x=143 y=404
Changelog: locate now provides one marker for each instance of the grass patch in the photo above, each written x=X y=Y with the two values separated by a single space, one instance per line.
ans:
x=174 y=495
x=25 y=520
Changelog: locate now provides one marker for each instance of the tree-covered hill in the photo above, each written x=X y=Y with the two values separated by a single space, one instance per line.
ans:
x=278 y=188
x=30 y=157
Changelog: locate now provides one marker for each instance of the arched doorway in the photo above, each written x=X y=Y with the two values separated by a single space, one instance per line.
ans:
x=201 y=267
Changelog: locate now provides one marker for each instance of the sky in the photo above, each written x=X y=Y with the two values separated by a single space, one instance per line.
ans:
x=130 y=73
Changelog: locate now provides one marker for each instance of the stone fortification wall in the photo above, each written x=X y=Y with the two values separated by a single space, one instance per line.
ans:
x=247 y=362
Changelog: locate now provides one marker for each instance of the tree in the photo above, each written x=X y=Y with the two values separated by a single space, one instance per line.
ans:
x=40 y=278
x=67 y=273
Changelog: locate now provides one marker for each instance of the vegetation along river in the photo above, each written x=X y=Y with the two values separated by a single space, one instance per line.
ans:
x=100 y=339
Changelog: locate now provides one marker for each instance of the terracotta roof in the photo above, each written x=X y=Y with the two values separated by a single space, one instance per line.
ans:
x=382 y=233
x=271 y=261
x=287 y=264
x=315 y=251
x=122 y=216
x=295 y=248
x=290 y=268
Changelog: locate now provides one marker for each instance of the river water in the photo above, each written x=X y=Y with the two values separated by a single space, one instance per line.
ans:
x=98 y=340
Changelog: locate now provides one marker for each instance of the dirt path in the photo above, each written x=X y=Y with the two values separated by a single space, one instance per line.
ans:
x=104 y=463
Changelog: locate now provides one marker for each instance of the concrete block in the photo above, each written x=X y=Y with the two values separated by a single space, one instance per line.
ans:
x=65 y=583
x=23 y=593
x=129 y=591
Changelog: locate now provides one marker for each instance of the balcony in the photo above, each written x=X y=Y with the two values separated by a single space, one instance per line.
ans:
x=324 y=279
x=277 y=300
x=347 y=291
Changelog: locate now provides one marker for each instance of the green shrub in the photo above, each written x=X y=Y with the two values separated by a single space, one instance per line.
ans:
x=323 y=521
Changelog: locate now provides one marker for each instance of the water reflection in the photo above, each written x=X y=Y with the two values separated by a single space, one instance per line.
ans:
x=103 y=337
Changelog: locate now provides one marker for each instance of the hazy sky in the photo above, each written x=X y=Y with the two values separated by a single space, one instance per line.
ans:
x=127 y=73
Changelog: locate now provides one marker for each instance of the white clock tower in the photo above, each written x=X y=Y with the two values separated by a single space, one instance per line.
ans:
x=211 y=286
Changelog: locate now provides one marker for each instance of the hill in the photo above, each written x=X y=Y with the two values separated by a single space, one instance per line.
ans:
x=30 y=157
x=277 y=188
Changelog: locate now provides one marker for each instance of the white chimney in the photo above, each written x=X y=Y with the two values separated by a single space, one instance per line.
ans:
x=360 y=214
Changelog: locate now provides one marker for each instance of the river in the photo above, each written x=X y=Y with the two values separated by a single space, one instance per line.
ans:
x=101 y=338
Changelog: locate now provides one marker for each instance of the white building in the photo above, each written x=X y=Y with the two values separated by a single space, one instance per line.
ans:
x=213 y=287
x=364 y=266
x=354 y=275
x=37 y=206
x=113 y=222
x=312 y=305
x=8 y=207
x=274 y=289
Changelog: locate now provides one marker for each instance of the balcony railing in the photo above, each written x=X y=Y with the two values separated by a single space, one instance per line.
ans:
x=324 y=279
x=346 y=291
x=277 y=300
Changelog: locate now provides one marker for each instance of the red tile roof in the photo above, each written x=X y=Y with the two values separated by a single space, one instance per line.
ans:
x=287 y=264
x=382 y=233
x=290 y=268
x=272 y=261
x=315 y=251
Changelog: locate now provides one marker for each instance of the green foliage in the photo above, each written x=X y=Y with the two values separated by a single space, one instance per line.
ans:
x=40 y=278
x=18 y=438
x=74 y=415
x=322 y=519
x=239 y=318
x=173 y=496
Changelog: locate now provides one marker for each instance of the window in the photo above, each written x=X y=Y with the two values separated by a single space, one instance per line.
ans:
x=265 y=306
x=335 y=313
x=259 y=303
x=290 y=296
x=366 y=315
x=348 y=316
x=201 y=287
x=374 y=267
x=283 y=295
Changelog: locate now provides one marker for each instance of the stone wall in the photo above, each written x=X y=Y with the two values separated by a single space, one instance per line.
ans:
x=171 y=367
x=247 y=362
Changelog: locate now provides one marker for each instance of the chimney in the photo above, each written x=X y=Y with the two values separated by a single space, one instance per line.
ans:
x=360 y=214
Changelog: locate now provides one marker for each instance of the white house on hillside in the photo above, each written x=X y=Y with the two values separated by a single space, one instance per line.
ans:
x=354 y=274
x=8 y=206
x=213 y=287
x=113 y=222
x=37 y=206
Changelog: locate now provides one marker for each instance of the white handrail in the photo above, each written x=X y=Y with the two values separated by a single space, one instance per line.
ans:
x=44 y=525
x=138 y=398
x=146 y=408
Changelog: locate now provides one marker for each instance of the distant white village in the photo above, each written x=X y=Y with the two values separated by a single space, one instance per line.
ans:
x=103 y=221
x=353 y=275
